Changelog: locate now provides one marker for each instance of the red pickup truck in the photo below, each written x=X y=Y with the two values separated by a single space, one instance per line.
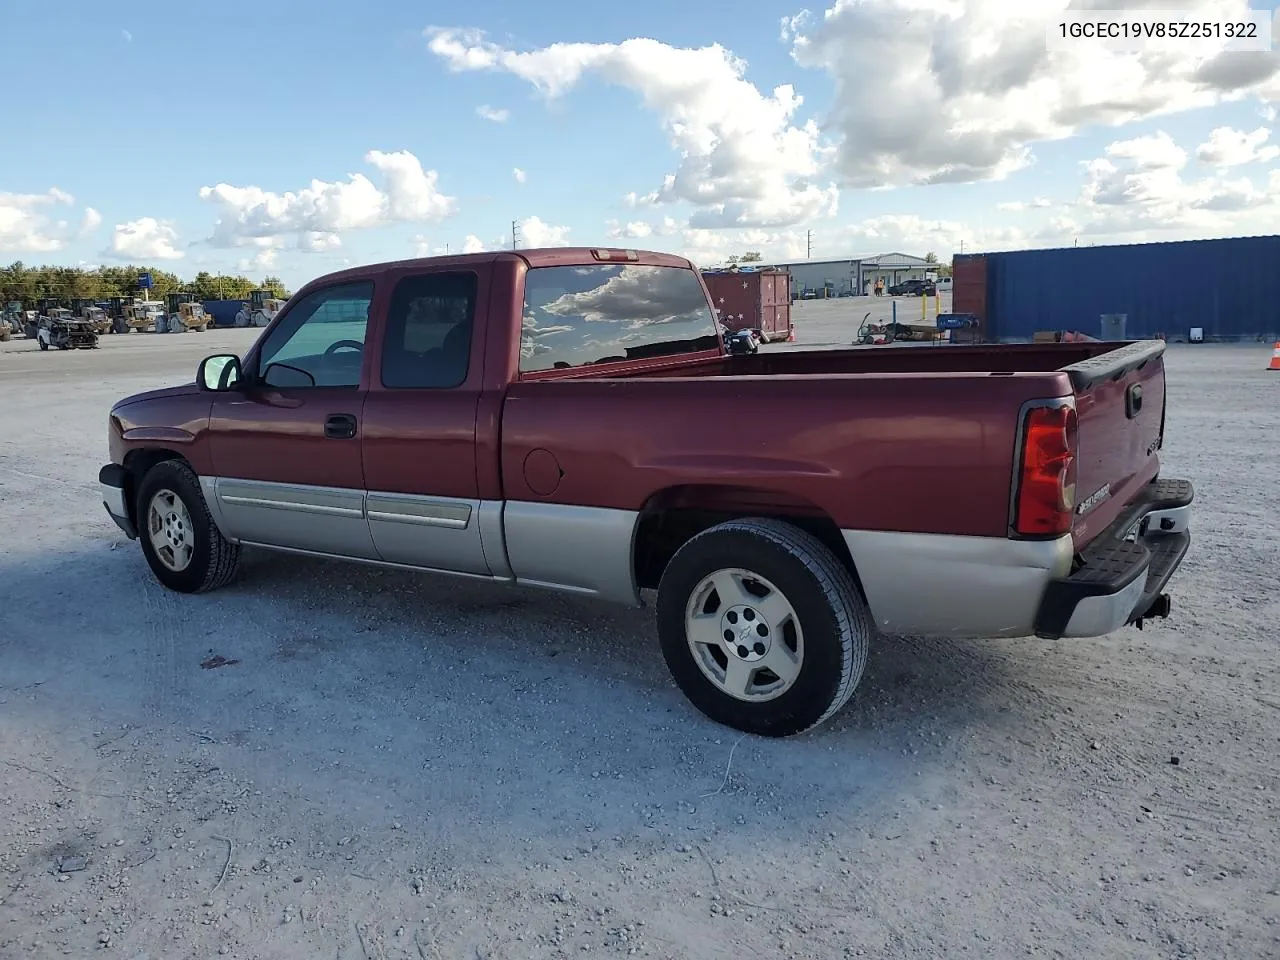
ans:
x=570 y=419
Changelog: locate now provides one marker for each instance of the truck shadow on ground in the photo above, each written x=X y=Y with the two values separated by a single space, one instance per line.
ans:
x=291 y=613
x=599 y=641
x=391 y=725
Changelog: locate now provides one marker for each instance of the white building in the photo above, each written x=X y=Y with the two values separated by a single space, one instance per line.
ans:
x=845 y=276
x=891 y=268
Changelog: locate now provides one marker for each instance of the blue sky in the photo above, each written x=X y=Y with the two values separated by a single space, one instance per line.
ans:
x=130 y=109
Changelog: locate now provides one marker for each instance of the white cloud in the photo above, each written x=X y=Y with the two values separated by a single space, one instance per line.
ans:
x=711 y=247
x=535 y=233
x=1227 y=147
x=316 y=242
x=494 y=114
x=144 y=239
x=745 y=161
x=634 y=230
x=411 y=195
x=421 y=246
x=26 y=225
x=1017 y=206
x=264 y=260
x=520 y=175
x=90 y=222
x=1138 y=190
x=959 y=90
x=926 y=91
x=472 y=244
x=636 y=200
x=916 y=235
x=888 y=233
x=1154 y=152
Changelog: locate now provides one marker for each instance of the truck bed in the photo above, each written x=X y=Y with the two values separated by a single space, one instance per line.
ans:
x=921 y=439
x=929 y=359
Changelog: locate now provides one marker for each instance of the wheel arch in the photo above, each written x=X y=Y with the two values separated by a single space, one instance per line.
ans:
x=674 y=515
x=136 y=465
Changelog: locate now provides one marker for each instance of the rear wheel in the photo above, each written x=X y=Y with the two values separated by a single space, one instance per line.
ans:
x=762 y=627
x=183 y=546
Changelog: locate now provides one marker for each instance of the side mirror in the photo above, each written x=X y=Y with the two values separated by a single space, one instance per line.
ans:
x=219 y=373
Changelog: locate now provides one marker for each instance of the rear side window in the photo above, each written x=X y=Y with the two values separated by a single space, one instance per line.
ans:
x=429 y=327
x=604 y=313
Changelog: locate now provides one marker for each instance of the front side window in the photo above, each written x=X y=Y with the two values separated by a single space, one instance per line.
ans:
x=603 y=313
x=429 y=327
x=320 y=342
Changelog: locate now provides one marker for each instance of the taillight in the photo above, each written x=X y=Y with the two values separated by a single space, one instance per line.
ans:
x=1047 y=482
x=611 y=255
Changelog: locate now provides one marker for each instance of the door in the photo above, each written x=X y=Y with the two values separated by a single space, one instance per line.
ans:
x=286 y=449
x=420 y=425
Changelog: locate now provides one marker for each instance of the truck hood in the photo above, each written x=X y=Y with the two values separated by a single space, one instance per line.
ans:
x=183 y=391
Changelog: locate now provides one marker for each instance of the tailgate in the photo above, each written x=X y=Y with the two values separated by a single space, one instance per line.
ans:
x=1120 y=398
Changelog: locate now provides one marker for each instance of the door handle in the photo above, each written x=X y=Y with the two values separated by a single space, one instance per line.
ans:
x=340 y=426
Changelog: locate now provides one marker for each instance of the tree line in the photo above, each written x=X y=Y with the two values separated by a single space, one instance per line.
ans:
x=30 y=284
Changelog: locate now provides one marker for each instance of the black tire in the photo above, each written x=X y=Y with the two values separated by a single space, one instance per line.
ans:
x=833 y=617
x=43 y=345
x=214 y=558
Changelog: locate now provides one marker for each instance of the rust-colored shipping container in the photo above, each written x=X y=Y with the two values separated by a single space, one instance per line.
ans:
x=758 y=300
x=969 y=288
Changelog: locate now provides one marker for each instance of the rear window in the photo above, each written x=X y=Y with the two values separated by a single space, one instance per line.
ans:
x=604 y=313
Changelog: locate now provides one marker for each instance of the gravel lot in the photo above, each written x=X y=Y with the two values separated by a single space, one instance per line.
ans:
x=395 y=766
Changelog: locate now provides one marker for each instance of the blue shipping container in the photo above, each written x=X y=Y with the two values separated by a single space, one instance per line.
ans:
x=1226 y=287
x=223 y=312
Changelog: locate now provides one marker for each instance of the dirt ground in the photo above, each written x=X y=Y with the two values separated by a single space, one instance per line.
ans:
x=395 y=766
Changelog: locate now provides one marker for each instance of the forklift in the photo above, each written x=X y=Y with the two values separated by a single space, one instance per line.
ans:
x=115 y=308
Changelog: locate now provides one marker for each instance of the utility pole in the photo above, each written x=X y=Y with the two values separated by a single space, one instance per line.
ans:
x=808 y=245
x=515 y=233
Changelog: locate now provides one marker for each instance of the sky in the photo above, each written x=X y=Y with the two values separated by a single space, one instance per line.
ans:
x=270 y=138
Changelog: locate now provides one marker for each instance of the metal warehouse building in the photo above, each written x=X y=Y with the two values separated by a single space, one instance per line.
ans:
x=855 y=276
x=1226 y=287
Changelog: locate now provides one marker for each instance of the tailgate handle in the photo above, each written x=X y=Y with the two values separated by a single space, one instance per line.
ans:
x=1133 y=401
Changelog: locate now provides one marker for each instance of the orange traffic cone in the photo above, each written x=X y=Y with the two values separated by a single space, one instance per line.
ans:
x=1275 y=358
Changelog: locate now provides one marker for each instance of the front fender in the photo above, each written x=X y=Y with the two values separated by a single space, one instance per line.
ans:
x=169 y=421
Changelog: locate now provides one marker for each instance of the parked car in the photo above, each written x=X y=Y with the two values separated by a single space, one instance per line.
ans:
x=915 y=287
x=570 y=419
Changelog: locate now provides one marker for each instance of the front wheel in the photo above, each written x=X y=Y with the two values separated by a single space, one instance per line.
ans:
x=762 y=627
x=183 y=546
